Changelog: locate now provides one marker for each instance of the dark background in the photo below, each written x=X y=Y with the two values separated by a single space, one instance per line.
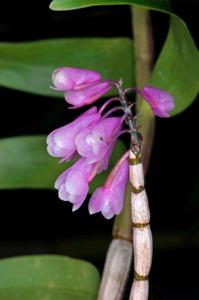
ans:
x=35 y=221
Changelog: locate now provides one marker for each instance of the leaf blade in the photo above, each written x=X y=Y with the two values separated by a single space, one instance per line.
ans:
x=25 y=163
x=47 y=277
x=179 y=60
x=76 y=4
x=28 y=66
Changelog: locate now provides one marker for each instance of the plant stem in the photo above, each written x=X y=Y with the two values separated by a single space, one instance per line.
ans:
x=143 y=43
x=144 y=52
x=142 y=239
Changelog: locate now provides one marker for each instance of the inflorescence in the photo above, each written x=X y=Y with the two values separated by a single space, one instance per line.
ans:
x=92 y=136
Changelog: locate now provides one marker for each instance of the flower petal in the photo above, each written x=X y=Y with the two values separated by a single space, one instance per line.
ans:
x=161 y=102
x=109 y=199
x=67 y=78
x=95 y=201
x=88 y=94
x=61 y=142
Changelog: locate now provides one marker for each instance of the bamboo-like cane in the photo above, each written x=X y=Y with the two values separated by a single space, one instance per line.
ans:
x=119 y=255
x=116 y=271
x=142 y=238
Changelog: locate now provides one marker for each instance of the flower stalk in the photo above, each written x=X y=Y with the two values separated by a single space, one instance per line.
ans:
x=144 y=55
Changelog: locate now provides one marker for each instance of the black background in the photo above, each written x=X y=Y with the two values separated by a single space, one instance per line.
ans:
x=35 y=221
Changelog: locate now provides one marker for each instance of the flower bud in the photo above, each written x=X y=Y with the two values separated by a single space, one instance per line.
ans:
x=161 y=102
x=67 y=78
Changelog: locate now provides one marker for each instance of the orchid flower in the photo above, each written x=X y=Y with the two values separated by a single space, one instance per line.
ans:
x=67 y=78
x=81 y=87
x=61 y=142
x=109 y=199
x=94 y=142
x=73 y=183
x=161 y=102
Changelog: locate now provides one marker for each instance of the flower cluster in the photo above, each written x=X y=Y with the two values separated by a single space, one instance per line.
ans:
x=92 y=136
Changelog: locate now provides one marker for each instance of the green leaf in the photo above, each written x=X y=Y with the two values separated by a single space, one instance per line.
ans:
x=28 y=66
x=25 y=163
x=47 y=277
x=177 y=68
x=75 y=4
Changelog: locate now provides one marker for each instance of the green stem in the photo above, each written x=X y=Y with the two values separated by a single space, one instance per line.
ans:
x=143 y=44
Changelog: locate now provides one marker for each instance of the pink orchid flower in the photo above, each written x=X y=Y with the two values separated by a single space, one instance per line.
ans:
x=61 y=142
x=92 y=143
x=67 y=78
x=161 y=102
x=73 y=184
x=109 y=198
x=81 y=87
